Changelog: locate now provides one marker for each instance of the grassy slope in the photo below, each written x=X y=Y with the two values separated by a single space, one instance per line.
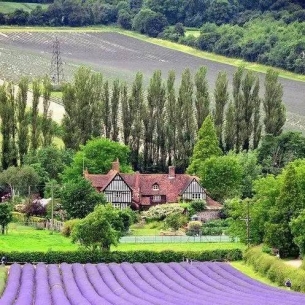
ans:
x=9 y=7
x=167 y=44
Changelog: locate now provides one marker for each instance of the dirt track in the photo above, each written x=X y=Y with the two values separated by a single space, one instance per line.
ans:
x=118 y=56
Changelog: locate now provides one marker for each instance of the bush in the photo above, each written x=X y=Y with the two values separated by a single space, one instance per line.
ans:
x=193 y=228
x=161 y=211
x=68 y=227
x=57 y=257
x=3 y=276
x=275 y=269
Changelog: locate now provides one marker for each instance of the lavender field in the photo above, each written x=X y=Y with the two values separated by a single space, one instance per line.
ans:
x=139 y=284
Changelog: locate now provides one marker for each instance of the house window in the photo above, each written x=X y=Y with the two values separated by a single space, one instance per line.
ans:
x=196 y=196
x=117 y=194
x=155 y=187
x=156 y=198
x=117 y=205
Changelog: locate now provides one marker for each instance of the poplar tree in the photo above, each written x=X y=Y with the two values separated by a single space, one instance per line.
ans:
x=82 y=103
x=136 y=102
x=202 y=100
x=46 y=124
x=106 y=110
x=275 y=112
x=250 y=93
x=221 y=98
x=171 y=117
x=6 y=112
x=35 y=126
x=206 y=146
x=115 y=103
x=13 y=125
x=238 y=107
x=186 y=127
x=128 y=113
x=229 y=136
x=257 y=126
x=23 y=128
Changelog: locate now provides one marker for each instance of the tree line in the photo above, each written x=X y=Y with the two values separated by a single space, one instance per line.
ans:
x=160 y=123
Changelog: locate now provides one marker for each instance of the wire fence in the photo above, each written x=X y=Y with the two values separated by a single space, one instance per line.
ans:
x=177 y=239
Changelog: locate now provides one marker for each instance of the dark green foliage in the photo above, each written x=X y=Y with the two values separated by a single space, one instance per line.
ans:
x=79 y=198
x=5 y=216
x=275 y=153
x=57 y=257
x=35 y=125
x=207 y=146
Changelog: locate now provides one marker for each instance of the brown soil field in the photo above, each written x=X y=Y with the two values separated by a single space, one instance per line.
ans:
x=119 y=56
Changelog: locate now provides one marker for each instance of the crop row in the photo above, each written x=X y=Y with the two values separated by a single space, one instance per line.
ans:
x=140 y=284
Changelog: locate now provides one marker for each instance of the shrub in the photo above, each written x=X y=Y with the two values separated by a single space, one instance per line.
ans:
x=194 y=227
x=273 y=268
x=3 y=276
x=57 y=257
x=68 y=227
x=161 y=211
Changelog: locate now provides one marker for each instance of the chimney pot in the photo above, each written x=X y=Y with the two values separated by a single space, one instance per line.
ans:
x=116 y=165
x=171 y=172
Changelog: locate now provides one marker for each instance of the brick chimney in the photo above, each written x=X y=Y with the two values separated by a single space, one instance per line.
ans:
x=171 y=172
x=116 y=165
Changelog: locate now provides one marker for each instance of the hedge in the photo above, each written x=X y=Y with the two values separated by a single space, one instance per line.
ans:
x=57 y=257
x=3 y=275
x=275 y=269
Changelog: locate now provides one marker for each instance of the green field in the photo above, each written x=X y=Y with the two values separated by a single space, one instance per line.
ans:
x=22 y=238
x=9 y=7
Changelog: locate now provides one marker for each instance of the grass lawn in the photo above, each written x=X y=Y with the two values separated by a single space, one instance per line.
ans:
x=22 y=238
x=178 y=246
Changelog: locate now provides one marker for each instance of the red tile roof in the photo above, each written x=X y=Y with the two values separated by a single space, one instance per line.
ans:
x=172 y=186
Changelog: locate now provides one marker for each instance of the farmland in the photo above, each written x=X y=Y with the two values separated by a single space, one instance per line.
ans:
x=166 y=284
x=118 y=56
x=9 y=7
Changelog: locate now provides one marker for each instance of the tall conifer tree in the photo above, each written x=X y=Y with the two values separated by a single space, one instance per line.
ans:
x=35 y=126
x=115 y=103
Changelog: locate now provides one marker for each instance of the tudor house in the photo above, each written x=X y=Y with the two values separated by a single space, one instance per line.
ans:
x=141 y=191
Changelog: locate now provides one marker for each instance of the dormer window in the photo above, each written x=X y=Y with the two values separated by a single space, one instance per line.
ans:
x=155 y=187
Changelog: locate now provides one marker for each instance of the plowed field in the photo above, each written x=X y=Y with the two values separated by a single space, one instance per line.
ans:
x=117 y=55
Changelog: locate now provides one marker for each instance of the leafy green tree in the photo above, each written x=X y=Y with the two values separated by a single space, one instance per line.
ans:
x=82 y=101
x=128 y=113
x=125 y=19
x=22 y=180
x=35 y=126
x=288 y=205
x=115 y=102
x=5 y=216
x=185 y=117
x=175 y=221
x=275 y=112
x=257 y=125
x=229 y=133
x=202 y=100
x=297 y=226
x=101 y=228
x=106 y=110
x=51 y=160
x=7 y=106
x=275 y=153
x=97 y=157
x=171 y=117
x=221 y=176
x=207 y=145
x=79 y=198
x=137 y=100
x=23 y=129
x=46 y=124
x=221 y=97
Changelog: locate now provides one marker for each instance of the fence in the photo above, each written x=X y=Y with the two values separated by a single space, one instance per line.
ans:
x=57 y=225
x=177 y=239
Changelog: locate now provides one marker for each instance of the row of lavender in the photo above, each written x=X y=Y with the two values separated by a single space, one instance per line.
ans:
x=140 y=284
